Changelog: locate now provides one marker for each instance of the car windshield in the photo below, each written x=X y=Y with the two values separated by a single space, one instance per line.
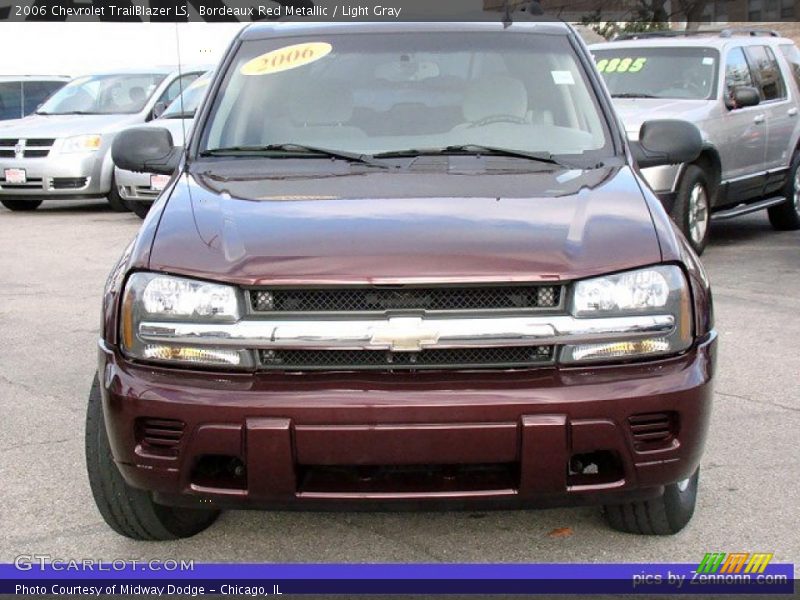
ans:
x=408 y=93
x=103 y=94
x=659 y=72
x=185 y=105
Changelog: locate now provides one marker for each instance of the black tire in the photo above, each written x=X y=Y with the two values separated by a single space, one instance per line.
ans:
x=665 y=515
x=114 y=199
x=140 y=209
x=21 y=205
x=692 y=209
x=786 y=216
x=129 y=511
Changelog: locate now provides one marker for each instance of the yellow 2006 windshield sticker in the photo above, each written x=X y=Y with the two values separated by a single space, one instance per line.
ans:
x=288 y=57
x=621 y=65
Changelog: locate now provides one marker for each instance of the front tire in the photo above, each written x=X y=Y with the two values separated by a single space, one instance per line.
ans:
x=114 y=199
x=665 y=515
x=140 y=209
x=786 y=216
x=21 y=205
x=129 y=511
x=692 y=209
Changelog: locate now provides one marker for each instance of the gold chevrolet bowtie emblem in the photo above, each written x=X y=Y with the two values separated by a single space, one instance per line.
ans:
x=404 y=334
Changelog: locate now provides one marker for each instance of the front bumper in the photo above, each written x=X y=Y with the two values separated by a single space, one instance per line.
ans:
x=135 y=187
x=57 y=176
x=505 y=438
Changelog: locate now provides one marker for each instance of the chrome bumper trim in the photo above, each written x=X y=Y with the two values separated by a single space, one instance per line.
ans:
x=407 y=333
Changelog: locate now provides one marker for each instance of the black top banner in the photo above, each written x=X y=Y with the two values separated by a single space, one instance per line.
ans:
x=590 y=11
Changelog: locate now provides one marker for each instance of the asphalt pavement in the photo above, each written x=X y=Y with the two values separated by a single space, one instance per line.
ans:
x=54 y=261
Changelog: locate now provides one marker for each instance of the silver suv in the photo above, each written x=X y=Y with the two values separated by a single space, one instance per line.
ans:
x=63 y=150
x=741 y=88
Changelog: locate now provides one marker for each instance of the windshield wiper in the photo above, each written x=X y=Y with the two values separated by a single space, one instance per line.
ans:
x=70 y=112
x=475 y=149
x=633 y=95
x=182 y=115
x=292 y=150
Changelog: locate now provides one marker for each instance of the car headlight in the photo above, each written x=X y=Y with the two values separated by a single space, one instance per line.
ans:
x=81 y=143
x=658 y=290
x=159 y=298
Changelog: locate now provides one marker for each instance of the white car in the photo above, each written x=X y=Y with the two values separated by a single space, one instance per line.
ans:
x=63 y=150
x=140 y=190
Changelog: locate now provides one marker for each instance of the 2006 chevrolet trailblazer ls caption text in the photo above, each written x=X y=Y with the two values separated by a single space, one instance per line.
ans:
x=403 y=264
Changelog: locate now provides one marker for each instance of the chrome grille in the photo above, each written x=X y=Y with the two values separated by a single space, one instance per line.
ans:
x=380 y=299
x=463 y=358
x=31 y=148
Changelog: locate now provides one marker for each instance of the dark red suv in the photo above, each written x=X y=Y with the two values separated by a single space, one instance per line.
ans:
x=403 y=264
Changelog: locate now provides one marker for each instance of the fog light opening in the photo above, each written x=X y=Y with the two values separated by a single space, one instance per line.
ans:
x=593 y=468
x=219 y=471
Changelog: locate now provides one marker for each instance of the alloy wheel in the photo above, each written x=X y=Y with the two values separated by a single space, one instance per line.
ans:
x=698 y=210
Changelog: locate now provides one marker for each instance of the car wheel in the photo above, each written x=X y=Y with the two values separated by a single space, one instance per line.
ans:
x=21 y=205
x=786 y=216
x=692 y=209
x=665 y=515
x=140 y=209
x=115 y=200
x=129 y=511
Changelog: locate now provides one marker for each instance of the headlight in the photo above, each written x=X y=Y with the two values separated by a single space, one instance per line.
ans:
x=81 y=143
x=658 y=290
x=155 y=297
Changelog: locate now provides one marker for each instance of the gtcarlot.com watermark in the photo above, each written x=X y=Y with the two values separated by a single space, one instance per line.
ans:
x=42 y=562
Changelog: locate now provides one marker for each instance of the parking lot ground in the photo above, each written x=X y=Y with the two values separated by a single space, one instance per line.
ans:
x=54 y=261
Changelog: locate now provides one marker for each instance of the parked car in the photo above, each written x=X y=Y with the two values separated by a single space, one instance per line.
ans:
x=20 y=95
x=742 y=92
x=63 y=150
x=343 y=300
x=139 y=190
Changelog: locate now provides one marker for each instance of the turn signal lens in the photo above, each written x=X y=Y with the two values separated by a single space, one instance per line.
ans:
x=629 y=349
x=211 y=356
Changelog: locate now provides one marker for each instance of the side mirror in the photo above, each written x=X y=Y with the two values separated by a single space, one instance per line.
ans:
x=742 y=97
x=158 y=109
x=146 y=150
x=666 y=142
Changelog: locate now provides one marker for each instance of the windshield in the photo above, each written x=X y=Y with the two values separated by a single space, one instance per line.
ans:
x=393 y=93
x=653 y=72
x=103 y=94
x=185 y=105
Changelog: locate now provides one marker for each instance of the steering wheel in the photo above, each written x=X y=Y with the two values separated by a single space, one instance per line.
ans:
x=498 y=119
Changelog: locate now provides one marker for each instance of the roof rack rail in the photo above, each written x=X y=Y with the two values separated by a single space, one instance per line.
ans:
x=725 y=33
x=748 y=31
x=665 y=33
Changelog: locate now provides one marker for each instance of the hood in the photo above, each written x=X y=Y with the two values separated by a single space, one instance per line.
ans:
x=379 y=227
x=635 y=111
x=59 y=126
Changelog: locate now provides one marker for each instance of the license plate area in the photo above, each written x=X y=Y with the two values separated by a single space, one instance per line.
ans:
x=15 y=176
x=407 y=479
x=158 y=182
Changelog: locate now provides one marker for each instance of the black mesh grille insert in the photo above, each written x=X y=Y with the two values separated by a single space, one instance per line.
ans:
x=381 y=299
x=455 y=358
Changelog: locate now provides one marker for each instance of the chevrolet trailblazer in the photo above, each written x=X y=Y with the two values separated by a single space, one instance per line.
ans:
x=403 y=264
